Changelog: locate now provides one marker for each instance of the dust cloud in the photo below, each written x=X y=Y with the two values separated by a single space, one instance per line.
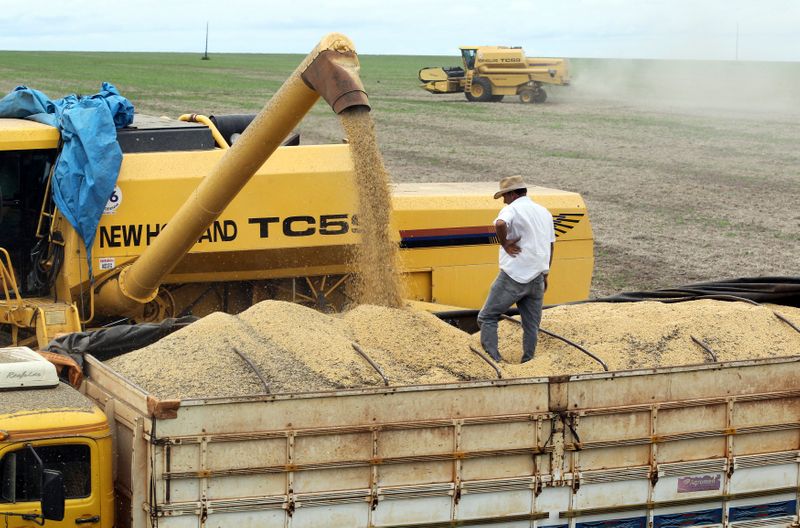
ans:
x=718 y=87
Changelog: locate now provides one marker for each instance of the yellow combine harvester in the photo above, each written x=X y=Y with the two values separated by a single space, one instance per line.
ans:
x=177 y=237
x=489 y=73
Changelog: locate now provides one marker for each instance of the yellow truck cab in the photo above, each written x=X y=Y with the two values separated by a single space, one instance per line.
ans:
x=55 y=449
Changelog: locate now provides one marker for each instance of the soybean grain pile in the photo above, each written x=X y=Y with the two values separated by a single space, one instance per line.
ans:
x=298 y=349
x=651 y=334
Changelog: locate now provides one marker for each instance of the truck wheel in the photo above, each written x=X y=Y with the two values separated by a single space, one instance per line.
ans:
x=526 y=96
x=470 y=97
x=481 y=90
x=540 y=97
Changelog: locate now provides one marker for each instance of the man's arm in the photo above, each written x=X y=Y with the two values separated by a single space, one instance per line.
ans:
x=549 y=265
x=510 y=246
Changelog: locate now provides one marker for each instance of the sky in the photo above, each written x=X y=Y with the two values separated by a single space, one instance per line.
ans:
x=650 y=29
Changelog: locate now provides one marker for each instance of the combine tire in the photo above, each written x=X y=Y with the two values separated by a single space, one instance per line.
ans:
x=527 y=96
x=540 y=97
x=481 y=90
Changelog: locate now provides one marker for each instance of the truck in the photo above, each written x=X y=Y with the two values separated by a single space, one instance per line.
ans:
x=699 y=445
x=489 y=73
x=716 y=444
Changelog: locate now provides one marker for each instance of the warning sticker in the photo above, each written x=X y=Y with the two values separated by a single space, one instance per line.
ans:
x=106 y=263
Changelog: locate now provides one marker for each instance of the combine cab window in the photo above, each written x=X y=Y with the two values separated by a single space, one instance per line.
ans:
x=469 y=58
x=19 y=474
x=23 y=177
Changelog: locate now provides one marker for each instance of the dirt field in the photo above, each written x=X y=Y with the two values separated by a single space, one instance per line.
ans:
x=687 y=178
x=690 y=170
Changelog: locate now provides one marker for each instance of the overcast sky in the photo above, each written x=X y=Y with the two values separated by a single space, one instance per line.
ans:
x=679 y=29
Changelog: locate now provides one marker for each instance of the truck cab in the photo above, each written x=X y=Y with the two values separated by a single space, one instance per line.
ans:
x=55 y=449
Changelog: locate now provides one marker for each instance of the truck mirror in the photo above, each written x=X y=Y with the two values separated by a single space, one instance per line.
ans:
x=53 y=496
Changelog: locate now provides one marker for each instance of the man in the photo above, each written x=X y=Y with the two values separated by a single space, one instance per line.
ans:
x=526 y=235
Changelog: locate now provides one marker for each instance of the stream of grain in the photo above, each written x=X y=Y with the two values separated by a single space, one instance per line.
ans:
x=377 y=280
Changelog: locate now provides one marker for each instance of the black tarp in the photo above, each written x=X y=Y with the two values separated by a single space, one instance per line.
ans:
x=107 y=343
x=773 y=290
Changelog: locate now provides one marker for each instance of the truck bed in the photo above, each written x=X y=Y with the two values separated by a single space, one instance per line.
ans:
x=715 y=445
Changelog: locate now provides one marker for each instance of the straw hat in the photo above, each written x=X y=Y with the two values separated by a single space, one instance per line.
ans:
x=508 y=184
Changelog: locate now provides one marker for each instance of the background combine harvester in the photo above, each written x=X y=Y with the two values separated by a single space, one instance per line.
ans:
x=489 y=73
x=713 y=444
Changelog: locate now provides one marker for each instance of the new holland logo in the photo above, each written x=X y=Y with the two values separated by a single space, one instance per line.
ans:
x=566 y=221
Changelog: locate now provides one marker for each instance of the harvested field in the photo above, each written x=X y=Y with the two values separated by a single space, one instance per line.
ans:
x=298 y=349
x=689 y=172
x=689 y=168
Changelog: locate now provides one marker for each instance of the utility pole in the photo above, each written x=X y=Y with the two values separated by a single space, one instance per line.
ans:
x=205 y=55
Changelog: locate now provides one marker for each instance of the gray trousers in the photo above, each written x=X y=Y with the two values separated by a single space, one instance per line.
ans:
x=504 y=293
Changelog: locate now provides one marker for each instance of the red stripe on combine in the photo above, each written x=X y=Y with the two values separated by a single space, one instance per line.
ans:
x=448 y=231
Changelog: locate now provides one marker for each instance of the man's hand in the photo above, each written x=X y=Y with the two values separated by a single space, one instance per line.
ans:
x=511 y=247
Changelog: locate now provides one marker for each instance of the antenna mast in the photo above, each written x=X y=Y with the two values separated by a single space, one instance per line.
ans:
x=205 y=55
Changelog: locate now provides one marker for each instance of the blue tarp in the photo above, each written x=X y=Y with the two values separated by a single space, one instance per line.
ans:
x=87 y=168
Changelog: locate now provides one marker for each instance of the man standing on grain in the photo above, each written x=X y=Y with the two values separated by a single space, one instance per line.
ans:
x=526 y=235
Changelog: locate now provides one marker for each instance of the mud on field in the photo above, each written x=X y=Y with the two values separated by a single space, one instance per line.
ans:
x=684 y=182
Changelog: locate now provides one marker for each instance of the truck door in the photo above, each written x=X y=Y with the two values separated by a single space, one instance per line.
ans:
x=20 y=491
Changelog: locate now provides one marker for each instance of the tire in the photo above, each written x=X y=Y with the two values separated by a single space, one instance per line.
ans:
x=527 y=96
x=470 y=97
x=497 y=98
x=540 y=97
x=481 y=90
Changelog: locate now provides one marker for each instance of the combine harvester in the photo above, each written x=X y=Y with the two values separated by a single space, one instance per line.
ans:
x=713 y=444
x=489 y=73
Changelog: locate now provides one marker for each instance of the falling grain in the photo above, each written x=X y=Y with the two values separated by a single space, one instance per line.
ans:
x=377 y=278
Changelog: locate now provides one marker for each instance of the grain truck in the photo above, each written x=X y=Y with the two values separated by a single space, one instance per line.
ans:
x=700 y=445
x=489 y=73
x=712 y=444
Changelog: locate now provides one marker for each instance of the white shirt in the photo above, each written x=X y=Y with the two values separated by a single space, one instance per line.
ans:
x=532 y=224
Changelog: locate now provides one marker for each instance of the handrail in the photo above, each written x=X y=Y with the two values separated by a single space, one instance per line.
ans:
x=8 y=278
x=215 y=133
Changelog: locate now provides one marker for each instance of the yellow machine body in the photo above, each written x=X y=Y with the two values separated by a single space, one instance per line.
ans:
x=289 y=235
x=489 y=73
